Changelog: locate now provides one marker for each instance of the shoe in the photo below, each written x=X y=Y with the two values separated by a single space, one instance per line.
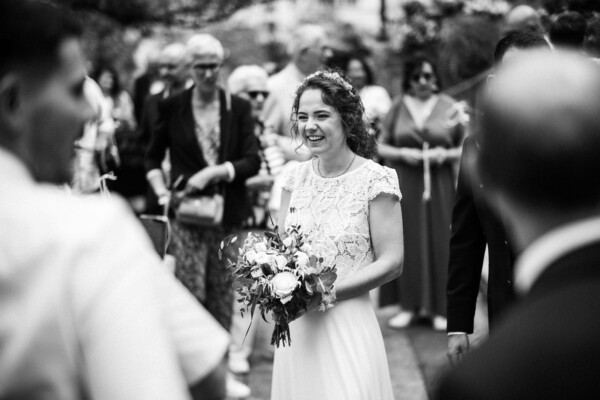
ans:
x=401 y=320
x=439 y=323
x=238 y=365
x=236 y=389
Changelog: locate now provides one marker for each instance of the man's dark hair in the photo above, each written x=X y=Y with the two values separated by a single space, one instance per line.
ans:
x=518 y=40
x=31 y=32
x=568 y=30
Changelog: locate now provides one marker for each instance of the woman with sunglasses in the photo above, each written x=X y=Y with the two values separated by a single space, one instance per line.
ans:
x=421 y=144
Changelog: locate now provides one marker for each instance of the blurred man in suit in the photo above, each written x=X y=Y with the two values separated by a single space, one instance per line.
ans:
x=539 y=137
x=474 y=225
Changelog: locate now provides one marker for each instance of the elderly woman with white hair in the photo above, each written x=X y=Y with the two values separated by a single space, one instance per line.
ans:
x=213 y=150
x=250 y=82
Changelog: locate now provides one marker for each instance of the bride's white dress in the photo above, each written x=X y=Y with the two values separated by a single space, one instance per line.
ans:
x=337 y=354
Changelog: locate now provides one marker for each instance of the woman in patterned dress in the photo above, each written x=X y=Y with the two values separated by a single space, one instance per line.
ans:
x=349 y=209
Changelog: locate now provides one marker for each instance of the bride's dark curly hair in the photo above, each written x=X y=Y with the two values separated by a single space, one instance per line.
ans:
x=338 y=93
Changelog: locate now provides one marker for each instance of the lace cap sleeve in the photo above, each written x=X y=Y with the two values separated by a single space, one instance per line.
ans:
x=384 y=180
x=290 y=176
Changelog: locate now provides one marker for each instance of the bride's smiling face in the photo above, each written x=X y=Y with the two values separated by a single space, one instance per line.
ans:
x=319 y=124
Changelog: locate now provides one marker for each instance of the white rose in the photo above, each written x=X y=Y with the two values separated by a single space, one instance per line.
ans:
x=289 y=242
x=301 y=259
x=307 y=248
x=260 y=247
x=250 y=256
x=281 y=262
x=262 y=258
x=284 y=284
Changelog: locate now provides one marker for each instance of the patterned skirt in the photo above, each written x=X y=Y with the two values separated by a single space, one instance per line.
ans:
x=199 y=269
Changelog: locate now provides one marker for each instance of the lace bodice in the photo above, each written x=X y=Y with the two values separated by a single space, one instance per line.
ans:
x=333 y=213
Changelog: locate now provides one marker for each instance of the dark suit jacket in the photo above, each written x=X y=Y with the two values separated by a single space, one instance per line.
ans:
x=149 y=116
x=473 y=226
x=141 y=91
x=547 y=347
x=175 y=131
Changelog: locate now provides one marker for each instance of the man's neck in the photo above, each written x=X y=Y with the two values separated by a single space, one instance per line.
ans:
x=206 y=96
x=176 y=88
x=528 y=224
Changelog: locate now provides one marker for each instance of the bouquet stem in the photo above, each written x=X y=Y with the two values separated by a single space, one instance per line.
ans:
x=281 y=334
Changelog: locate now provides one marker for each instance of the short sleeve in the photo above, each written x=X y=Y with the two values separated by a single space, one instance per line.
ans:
x=290 y=177
x=384 y=180
x=128 y=348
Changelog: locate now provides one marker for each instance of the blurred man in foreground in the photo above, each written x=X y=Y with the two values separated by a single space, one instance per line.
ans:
x=539 y=139
x=87 y=309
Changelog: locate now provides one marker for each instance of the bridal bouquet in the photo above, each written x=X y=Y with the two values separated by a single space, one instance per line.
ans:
x=279 y=274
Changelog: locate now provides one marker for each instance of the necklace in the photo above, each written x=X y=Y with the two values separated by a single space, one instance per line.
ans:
x=335 y=176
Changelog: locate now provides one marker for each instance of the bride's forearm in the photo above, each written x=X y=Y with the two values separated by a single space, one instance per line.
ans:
x=368 y=278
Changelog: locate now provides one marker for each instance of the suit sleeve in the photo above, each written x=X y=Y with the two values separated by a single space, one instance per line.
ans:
x=159 y=138
x=247 y=162
x=467 y=249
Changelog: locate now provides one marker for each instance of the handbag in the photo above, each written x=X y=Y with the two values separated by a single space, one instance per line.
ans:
x=200 y=210
x=159 y=230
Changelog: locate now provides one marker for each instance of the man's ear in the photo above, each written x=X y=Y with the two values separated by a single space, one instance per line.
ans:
x=11 y=92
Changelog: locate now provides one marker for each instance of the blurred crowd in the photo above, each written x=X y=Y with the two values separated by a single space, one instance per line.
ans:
x=187 y=133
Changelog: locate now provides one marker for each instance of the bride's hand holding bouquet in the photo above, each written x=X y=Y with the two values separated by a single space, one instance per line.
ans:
x=280 y=274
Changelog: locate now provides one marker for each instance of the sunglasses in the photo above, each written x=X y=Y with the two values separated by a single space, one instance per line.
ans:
x=253 y=94
x=168 y=66
x=425 y=75
x=207 y=67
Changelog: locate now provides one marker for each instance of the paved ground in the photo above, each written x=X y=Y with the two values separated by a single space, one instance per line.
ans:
x=415 y=356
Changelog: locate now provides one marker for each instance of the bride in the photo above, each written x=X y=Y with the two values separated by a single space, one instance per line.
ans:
x=349 y=209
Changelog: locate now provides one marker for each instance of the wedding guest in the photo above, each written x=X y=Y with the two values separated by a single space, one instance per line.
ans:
x=475 y=226
x=348 y=208
x=523 y=18
x=143 y=84
x=250 y=82
x=421 y=144
x=87 y=308
x=592 y=38
x=128 y=167
x=120 y=105
x=568 y=30
x=212 y=147
x=539 y=127
x=375 y=98
x=174 y=71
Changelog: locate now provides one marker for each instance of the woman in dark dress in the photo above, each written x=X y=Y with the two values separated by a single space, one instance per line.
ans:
x=421 y=144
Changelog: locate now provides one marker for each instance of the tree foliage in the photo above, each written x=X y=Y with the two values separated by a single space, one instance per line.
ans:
x=582 y=6
x=181 y=12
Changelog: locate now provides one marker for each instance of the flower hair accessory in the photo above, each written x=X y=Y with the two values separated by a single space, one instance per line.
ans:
x=332 y=76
